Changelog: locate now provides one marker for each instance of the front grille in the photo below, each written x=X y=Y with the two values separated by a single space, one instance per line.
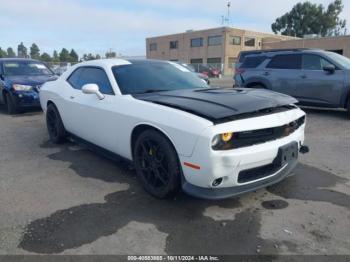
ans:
x=249 y=175
x=255 y=137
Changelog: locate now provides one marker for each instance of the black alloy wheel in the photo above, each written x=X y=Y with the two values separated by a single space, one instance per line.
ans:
x=55 y=128
x=157 y=164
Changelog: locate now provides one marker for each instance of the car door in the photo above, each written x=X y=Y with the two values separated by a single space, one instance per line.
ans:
x=319 y=87
x=281 y=73
x=90 y=117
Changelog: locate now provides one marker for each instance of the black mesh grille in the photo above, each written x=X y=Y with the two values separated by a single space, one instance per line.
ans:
x=254 y=137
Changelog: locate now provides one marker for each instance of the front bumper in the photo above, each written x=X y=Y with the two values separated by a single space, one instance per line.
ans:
x=222 y=193
x=26 y=99
x=228 y=165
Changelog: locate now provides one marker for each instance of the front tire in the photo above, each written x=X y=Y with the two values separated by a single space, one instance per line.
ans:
x=55 y=127
x=10 y=105
x=157 y=165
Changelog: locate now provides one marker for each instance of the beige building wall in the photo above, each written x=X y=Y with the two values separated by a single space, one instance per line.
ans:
x=341 y=43
x=227 y=51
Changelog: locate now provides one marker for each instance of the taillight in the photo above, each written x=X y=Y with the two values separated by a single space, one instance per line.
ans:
x=239 y=71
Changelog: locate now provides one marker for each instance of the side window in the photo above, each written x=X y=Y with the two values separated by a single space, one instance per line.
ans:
x=285 y=62
x=74 y=78
x=253 y=62
x=314 y=62
x=96 y=76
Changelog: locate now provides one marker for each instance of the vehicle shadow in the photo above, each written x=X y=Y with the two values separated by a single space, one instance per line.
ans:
x=326 y=112
x=27 y=112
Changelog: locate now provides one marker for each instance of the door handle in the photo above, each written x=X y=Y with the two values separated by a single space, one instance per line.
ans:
x=303 y=76
x=266 y=74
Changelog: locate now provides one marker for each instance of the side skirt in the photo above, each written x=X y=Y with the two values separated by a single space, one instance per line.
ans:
x=99 y=150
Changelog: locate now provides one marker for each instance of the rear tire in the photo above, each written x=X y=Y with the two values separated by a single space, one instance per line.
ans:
x=55 y=127
x=348 y=106
x=10 y=105
x=157 y=165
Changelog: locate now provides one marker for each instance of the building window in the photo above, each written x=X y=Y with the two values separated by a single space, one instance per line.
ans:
x=197 y=61
x=196 y=42
x=231 y=62
x=214 y=40
x=174 y=44
x=249 y=41
x=235 y=40
x=153 y=47
x=215 y=60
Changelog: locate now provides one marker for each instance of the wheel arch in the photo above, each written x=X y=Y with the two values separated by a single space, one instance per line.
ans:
x=252 y=84
x=257 y=81
x=137 y=130
x=4 y=92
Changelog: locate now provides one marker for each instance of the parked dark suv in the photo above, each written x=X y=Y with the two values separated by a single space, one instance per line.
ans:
x=20 y=82
x=314 y=77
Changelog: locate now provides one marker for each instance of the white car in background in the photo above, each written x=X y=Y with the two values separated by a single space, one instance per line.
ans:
x=180 y=133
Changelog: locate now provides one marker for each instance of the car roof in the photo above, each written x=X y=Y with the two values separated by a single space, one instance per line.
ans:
x=7 y=59
x=110 y=62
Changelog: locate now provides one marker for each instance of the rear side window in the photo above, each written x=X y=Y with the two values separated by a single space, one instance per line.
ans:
x=96 y=76
x=253 y=62
x=74 y=78
x=243 y=55
x=91 y=75
x=289 y=61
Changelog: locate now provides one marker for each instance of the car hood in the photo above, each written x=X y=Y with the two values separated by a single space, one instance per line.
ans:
x=30 y=80
x=222 y=104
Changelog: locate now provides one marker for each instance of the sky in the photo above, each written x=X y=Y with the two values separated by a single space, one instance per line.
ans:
x=122 y=25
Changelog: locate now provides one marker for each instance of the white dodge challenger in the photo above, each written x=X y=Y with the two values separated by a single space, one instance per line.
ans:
x=213 y=143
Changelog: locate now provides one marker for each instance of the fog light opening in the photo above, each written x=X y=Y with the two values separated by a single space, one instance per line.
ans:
x=217 y=182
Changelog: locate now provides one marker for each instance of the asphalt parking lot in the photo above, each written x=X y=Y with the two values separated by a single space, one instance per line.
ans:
x=68 y=200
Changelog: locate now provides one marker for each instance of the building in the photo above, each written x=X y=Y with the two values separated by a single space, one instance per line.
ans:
x=339 y=44
x=218 y=47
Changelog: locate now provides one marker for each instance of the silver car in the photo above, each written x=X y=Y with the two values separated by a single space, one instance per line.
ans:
x=314 y=77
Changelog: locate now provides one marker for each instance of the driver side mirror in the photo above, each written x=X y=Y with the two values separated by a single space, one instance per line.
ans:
x=329 y=69
x=92 y=89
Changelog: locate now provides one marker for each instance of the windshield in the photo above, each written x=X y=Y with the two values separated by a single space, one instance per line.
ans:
x=14 y=68
x=155 y=76
x=342 y=60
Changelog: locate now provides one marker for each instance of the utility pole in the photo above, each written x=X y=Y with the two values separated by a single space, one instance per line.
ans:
x=226 y=20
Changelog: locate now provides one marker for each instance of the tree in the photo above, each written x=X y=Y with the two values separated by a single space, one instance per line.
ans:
x=55 y=57
x=307 y=18
x=10 y=52
x=22 y=50
x=64 y=55
x=45 y=57
x=111 y=54
x=3 y=53
x=87 y=57
x=34 y=51
x=74 y=58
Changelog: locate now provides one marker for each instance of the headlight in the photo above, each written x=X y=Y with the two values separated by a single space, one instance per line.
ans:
x=22 y=87
x=222 y=141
